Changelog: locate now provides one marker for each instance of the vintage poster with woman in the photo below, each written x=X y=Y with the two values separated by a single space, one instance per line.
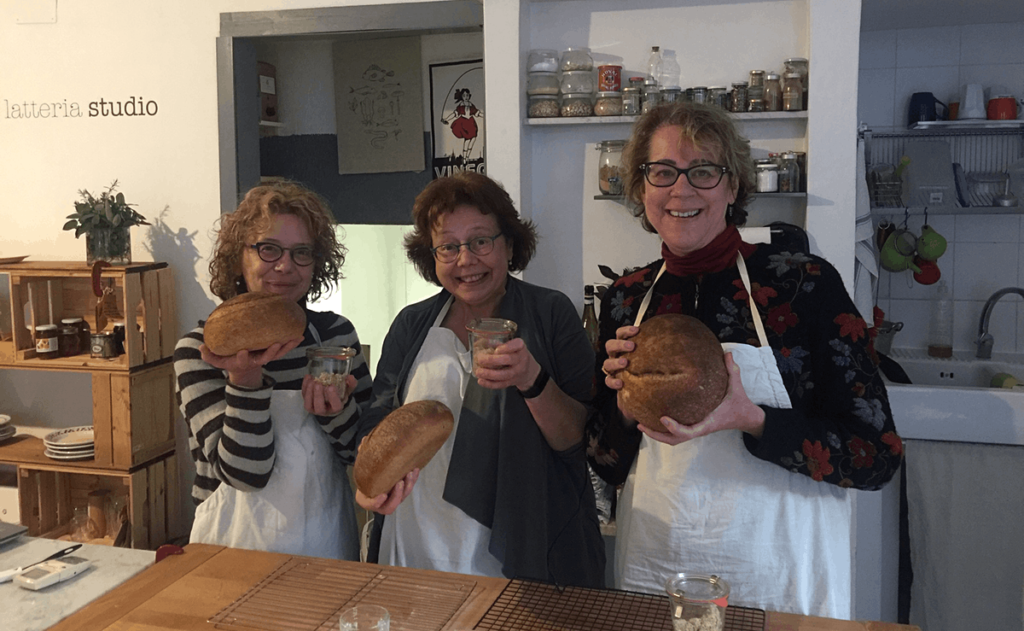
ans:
x=457 y=116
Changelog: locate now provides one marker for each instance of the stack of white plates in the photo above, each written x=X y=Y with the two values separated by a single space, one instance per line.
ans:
x=7 y=428
x=73 y=443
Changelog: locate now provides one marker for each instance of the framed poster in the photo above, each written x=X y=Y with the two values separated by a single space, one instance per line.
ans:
x=457 y=116
x=378 y=103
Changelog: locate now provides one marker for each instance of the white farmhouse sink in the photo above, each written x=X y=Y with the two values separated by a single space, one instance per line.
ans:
x=951 y=400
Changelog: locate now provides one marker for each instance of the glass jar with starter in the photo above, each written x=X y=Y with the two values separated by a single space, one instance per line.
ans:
x=609 y=171
x=543 y=106
x=630 y=101
x=578 y=82
x=542 y=83
x=789 y=173
x=767 y=176
x=47 y=341
x=772 y=93
x=577 y=105
x=608 y=104
x=576 y=58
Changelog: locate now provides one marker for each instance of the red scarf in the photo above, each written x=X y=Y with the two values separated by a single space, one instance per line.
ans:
x=716 y=256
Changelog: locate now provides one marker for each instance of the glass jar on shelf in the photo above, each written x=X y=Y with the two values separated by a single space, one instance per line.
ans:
x=755 y=85
x=700 y=94
x=738 y=97
x=718 y=96
x=543 y=106
x=772 y=93
x=800 y=65
x=671 y=94
x=609 y=166
x=577 y=105
x=767 y=176
x=542 y=60
x=789 y=173
x=630 y=101
x=576 y=58
x=792 y=93
x=542 y=83
x=577 y=82
x=651 y=98
x=608 y=104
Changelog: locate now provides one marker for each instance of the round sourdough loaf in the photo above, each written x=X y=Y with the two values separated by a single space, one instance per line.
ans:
x=404 y=440
x=677 y=370
x=253 y=321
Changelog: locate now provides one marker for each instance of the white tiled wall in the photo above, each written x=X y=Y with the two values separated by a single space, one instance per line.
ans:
x=986 y=251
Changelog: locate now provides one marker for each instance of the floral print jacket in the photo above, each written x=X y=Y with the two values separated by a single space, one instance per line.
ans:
x=840 y=429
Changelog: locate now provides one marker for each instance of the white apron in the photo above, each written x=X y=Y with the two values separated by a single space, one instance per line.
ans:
x=781 y=540
x=425 y=531
x=307 y=506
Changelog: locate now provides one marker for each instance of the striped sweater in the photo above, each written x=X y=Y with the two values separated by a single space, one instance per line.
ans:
x=230 y=431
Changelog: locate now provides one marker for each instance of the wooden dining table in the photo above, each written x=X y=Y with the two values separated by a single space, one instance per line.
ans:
x=210 y=587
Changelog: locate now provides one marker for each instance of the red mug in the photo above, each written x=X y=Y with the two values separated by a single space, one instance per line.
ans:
x=1002 y=108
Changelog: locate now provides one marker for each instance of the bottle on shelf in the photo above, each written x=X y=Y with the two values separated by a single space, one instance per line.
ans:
x=590 y=316
x=670 y=71
x=940 y=333
x=655 y=64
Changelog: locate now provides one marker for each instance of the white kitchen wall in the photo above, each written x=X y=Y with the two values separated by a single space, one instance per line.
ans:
x=986 y=251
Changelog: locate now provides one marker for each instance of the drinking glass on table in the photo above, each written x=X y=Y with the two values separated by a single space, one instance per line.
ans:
x=365 y=618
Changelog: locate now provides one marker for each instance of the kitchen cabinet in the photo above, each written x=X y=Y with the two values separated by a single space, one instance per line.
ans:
x=132 y=394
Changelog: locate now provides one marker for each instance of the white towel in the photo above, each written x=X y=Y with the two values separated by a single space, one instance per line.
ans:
x=865 y=268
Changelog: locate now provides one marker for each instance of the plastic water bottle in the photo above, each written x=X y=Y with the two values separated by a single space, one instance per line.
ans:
x=670 y=71
x=654 y=66
x=940 y=335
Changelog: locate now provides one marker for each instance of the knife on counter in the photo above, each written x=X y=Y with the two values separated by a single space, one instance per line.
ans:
x=7 y=575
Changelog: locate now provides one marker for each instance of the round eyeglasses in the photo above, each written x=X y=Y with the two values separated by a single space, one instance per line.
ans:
x=449 y=252
x=303 y=256
x=702 y=176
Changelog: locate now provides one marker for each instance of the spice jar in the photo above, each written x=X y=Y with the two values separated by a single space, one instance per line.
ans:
x=577 y=105
x=69 y=340
x=578 y=82
x=542 y=83
x=576 y=59
x=542 y=60
x=636 y=82
x=47 y=341
x=800 y=65
x=542 y=106
x=101 y=345
x=792 y=93
x=609 y=78
x=772 y=93
x=630 y=101
x=609 y=169
x=83 y=331
x=738 y=100
x=608 y=104
x=789 y=173
x=767 y=176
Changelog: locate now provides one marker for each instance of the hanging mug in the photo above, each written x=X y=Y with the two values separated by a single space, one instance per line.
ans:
x=930 y=245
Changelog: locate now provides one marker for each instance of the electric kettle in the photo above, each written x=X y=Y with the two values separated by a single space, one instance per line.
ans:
x=922 y=108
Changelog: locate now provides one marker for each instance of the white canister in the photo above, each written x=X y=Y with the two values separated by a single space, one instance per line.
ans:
x=767 y=176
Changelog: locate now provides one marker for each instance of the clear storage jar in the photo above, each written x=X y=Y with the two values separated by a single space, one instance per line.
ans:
x=767 y=176
x=608 y=104
x=738 y=97
x=792 y=93
x=772 y=93
x=542 y=60
x=577 y=58
x=543 y=106
x=651 y=98
x=630 y=101
x=789 y=173
x=801 y=66
x=329 y=365
x=577 y=105
x=697 y=601
x=609 y=166
x=578 y=82
x=542 y=83
x=755 y=85
x=719 y=96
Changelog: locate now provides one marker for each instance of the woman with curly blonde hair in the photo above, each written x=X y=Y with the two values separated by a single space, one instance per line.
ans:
x=270 y=443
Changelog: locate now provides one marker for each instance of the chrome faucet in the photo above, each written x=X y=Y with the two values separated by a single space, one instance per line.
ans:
x=984 y=341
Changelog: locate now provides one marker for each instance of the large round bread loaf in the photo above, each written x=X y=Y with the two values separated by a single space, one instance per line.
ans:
x=404 y=440
x=253 y=321
x=677 y=370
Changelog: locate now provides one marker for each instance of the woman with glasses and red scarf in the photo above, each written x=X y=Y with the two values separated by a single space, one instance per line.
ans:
x=760 y=491
x=270 y=443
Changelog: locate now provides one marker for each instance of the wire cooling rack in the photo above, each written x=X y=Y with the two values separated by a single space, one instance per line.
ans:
x=532 y=606
x=309 y=595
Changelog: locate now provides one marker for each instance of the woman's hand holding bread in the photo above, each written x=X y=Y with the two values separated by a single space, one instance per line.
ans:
x=325 y=400
x=386 y=503
x=245 y=368
x=616 y=362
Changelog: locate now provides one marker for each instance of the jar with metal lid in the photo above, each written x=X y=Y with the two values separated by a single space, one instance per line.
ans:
x=772 y=93
x=697 y=601
x=577 y=105
x=792 y=93
x=542 y=83
x=636 y=82
x=83 y=331
x=578 y=82
x=608 y=104
x=101 y=345
x=651 y=98
x=671 y=94
x=718 y=95
x=738 y=97
x=69 y=340
x=542 y=60
x=47 y=341
x=609 y=166
x=700 y=94
x=800 y=65
x=543 y=106
x=755 y=104
x=630 y=101
x=576 y=59
x=767 y=176
x=755 y=85
x=789 y=173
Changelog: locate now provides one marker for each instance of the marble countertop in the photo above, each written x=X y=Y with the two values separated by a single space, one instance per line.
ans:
x=27 y=610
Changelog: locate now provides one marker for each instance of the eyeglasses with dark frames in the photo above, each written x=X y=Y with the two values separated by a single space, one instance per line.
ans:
x=303 y=255
x=702 y=176
x=449 y=252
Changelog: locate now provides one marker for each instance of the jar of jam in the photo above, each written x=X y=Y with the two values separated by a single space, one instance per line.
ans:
x=83 y=331
x=69 y=340
x=47 y=341
x=102 y=345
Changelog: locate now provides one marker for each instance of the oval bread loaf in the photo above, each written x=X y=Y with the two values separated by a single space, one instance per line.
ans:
x=253 y=321
x=677 y=370
x=404 y=440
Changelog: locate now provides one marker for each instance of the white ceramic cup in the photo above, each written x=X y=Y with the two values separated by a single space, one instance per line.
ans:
x=972 y=102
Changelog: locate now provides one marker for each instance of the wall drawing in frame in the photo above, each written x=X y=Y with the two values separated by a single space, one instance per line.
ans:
x=378 y=104
x=457 y=116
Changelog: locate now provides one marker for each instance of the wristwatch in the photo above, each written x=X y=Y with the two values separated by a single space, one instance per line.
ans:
x=538 y=385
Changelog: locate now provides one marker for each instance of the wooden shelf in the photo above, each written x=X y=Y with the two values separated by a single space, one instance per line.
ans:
x=607 y=120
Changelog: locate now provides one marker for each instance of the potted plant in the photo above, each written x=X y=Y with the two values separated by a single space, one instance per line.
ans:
x=105 y=220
